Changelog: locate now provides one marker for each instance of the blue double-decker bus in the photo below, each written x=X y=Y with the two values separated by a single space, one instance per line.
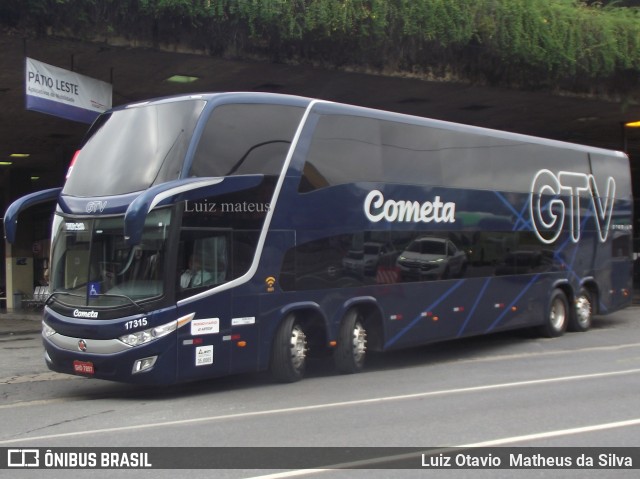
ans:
x=205 y=235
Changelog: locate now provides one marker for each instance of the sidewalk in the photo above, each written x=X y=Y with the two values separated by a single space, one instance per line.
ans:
x=19 y=322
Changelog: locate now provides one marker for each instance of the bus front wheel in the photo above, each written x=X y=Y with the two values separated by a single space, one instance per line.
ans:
x=351 y=350
x=289 y=352
x=557 y=315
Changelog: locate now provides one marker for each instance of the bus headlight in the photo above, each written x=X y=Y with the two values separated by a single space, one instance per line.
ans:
x=143 y=337
x=148 y=335
x=47 y=331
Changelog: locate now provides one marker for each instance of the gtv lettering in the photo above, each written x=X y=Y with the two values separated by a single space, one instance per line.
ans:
x=96 y=206
x=554 y=197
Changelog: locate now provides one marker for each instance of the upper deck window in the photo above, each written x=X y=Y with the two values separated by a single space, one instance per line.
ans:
x=132 y=149
x=349 y=148
x=244 y=139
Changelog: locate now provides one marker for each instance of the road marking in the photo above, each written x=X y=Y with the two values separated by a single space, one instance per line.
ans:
x=503 y=357
x=355 y=402
x=559 y=432
x=494 y=442
x=38 y=402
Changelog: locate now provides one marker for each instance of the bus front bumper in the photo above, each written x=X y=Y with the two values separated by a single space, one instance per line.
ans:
x=110 y=359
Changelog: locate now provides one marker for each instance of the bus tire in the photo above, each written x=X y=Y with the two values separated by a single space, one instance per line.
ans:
x=580 y=320
x=557 y=315
x=351 y=351
x=289 y=352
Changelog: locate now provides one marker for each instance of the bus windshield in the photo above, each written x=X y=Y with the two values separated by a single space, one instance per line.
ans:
x=93 y=266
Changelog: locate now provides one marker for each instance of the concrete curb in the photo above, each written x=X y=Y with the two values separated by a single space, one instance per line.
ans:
x=19 y=322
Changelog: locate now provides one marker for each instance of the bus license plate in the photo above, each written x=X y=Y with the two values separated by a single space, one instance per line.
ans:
x=83 y=367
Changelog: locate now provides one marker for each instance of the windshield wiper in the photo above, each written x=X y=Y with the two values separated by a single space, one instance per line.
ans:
x=55 y=293
x=137 y=305
x=81 y=296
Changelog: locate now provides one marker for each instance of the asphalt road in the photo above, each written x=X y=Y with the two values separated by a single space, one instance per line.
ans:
x=505 y=390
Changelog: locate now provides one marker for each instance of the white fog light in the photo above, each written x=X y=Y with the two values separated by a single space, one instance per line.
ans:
x=144 y=364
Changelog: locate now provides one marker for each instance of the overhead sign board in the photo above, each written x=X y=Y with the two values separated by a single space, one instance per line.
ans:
x=65 y=93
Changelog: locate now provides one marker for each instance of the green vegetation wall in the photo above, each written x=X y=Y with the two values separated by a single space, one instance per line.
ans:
x=577 y=45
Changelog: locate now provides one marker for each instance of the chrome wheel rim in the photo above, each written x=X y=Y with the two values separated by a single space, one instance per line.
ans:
x=583 y=310
x=558 y=314
x=298 y=347
x=359 y=342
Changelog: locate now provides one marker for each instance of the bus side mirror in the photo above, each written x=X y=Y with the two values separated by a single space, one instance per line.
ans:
x=21 y=204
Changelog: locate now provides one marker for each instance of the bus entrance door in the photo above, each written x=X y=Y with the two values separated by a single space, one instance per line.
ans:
x=204 y=345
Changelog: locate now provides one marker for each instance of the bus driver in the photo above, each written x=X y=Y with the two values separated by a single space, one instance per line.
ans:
x=194 y=276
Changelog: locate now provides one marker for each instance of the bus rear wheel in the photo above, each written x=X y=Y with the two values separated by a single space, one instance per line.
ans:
x=289 y=352
x=583 y=312
x=557 y=315
x=350 y=354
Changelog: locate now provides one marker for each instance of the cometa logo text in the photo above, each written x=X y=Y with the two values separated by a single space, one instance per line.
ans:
x=85 y=314
x=377 y=209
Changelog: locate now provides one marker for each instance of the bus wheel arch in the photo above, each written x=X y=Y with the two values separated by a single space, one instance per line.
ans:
x=585 y=306
x=557 y=313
